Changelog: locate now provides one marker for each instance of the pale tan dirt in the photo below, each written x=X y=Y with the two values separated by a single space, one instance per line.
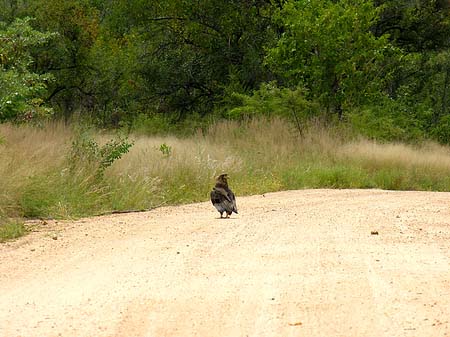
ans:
x=299 y=263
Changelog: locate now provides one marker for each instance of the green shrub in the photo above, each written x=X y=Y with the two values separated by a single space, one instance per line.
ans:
x=270 y=100
x=78 y=187
x=387 y=120
x=165 y=149
x=154 y=124
x=22 y=92
x=161 y=124
x=86 y=151
x=442 y=130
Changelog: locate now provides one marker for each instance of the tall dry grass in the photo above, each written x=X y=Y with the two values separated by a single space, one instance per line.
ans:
x=27 y=152
x=425 y=156
x=259 y=155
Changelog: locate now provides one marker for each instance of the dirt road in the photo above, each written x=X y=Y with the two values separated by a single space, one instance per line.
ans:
x=299 y=263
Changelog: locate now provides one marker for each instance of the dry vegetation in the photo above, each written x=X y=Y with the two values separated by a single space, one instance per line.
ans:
x=259 y=155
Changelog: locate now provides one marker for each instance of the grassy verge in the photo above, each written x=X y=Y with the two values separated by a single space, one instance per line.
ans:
x=11 y=230
x=39 y=178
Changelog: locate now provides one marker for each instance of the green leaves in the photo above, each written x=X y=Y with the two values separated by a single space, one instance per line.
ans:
x=22 y=91
x=328 y=47
x=188 y=50
x=270 y=100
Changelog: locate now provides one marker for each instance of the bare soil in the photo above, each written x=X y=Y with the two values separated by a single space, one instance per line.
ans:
x=299 y=263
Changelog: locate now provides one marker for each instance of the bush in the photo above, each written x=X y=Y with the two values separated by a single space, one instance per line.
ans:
x=151 y=124
x=85 y=150
x=442 y=130
x=387 y=120
x=160 y=124
x=22 y=92
x=270 y=100
x=78 y=187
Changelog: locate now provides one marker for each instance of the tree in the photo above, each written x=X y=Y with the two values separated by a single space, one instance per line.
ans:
x=421 y=28
x=67 y=55
x=328 y=47
x=414 y=25
x=189 y=50
x=22 y=91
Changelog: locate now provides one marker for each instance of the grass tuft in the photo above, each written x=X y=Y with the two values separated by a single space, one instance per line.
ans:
x=11 y=230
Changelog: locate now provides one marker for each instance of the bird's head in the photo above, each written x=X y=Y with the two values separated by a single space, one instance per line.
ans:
x=223 y=178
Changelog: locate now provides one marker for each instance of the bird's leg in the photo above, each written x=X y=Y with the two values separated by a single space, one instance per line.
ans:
x=221 y=214
x=228 y=216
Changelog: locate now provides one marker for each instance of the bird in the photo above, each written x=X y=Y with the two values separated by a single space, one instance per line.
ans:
x=222 y=197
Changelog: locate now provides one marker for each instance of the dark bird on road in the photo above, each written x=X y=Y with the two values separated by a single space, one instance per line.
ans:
x=222 y=197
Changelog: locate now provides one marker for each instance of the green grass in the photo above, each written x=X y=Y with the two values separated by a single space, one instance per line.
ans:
x=327 y=175
x=40 y=179
x=63 y=194
x=11 y=230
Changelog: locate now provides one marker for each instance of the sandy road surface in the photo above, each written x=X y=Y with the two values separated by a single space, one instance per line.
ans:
x=299 y=263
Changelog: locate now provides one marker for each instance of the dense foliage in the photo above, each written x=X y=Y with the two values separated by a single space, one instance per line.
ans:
x=21 y=90
x=381 y=66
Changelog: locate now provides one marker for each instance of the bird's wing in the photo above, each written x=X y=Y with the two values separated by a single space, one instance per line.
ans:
x=216 y=197
x=221 y=193
x=224 y=198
